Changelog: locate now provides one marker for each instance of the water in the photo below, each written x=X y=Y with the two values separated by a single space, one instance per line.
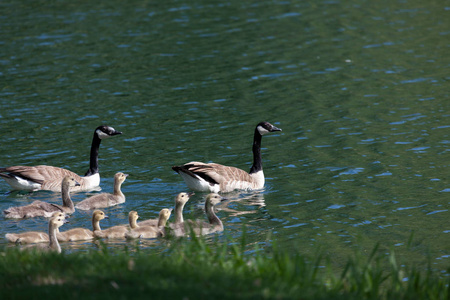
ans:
x=360 y=90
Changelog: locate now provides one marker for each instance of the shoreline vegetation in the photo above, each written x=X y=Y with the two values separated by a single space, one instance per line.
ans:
x=193 y=268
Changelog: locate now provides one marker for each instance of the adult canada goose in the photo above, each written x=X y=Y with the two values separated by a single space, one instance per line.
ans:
x=214 y=178
x=31 y=237
x=44 y=209
x=199 y=227
x=149 y=231
x=180 y=201
x=118 y=232
x=42 y=177
x=82 y=234
x=103 y=200
x=53 y=245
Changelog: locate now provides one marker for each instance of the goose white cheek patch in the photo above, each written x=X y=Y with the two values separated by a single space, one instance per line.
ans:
x=262 y=130
x=101 y=134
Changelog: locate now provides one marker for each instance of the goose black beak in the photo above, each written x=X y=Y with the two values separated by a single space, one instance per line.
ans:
x=115 y=133
x=275 y=129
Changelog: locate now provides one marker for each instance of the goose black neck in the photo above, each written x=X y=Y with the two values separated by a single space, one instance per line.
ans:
x=257 y=160
x=93 y=163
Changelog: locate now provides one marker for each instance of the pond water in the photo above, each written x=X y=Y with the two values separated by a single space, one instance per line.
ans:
x=360 y=89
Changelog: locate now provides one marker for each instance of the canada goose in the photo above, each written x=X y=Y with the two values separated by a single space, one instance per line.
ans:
x=215 y=178
x=82 y=234
x=149 y=231
x=180 y=201
x=117 y=232
x=53 y=245
x=105 y=199
x=44 y=209
x=42 y=177
x=200 y=227
x=31 y=237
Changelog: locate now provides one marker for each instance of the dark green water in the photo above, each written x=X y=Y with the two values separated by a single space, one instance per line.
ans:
x=360 y=89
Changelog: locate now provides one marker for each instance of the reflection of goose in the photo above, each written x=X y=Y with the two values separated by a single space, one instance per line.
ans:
x=105 y=199
x=148 y=231
x=43 y=177
x=82 y=234
x=44 y=209
x=180 y=201
x=199 y=227
x=117 y=232
x=211 y=177
x=53 y=244
x=31 y=237
x=255 y=198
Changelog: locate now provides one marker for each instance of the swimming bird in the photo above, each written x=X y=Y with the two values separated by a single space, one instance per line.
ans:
x=199 y=227
x=103 y=200
x=149 y=231
x=53 y=245
x=42 y=177
x=44 y=209
x=30 y=237
x=215 y=178
x=82 y=234
x=180 y=201
x=117 y=232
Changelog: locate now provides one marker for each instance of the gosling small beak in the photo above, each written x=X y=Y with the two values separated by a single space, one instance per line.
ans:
x=77 y=183
x=191 y=194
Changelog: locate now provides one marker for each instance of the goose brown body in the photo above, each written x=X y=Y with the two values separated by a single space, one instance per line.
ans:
x=215 y=178
x=43 y=177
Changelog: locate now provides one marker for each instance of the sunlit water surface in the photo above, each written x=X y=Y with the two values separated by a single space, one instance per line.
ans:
x=360 y=89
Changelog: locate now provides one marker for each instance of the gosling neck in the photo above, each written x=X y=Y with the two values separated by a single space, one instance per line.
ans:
x=96 y=224
x=212 y=218
x=179 y=206
x=117 y=186
x=54 y=245
x=67 y=201
x=162 y=221
x=133 y=222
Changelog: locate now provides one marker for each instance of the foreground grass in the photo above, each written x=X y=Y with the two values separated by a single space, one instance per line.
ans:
x=194 y=269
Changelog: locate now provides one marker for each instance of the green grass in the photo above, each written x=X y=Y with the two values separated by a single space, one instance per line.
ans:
x=195 y=269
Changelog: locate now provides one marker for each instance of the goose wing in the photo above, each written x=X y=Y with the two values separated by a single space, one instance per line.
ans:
x=41 y=174
x=213 y=173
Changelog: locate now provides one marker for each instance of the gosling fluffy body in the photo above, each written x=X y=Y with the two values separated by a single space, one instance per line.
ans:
x=43 y=209
x=105 y=199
